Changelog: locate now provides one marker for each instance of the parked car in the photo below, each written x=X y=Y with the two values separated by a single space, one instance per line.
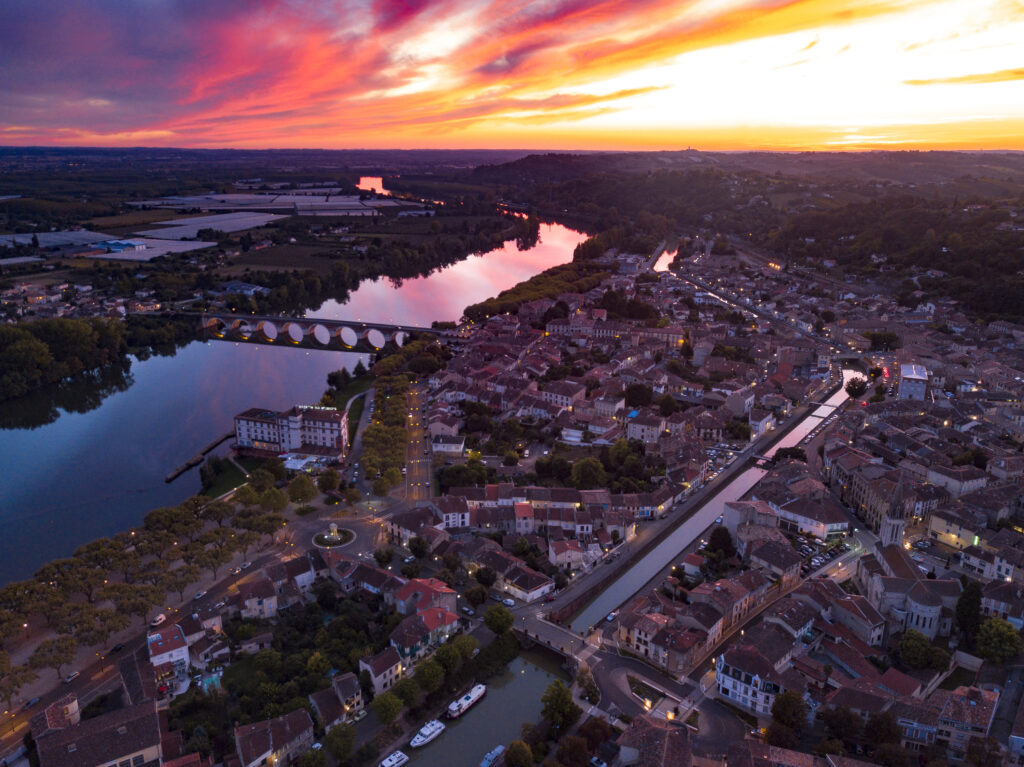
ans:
x=199 y=595
x=117 y=648
x=158 y=620
x=236 y=570
x=72 y=677
x=29 y=704
x=359 y=715
x=246 y=565
x=508 y=602
x=468 y=611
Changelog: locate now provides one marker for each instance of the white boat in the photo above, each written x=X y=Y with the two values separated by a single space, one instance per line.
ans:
x=396 y=759
x=459 y=707
x=492 y=756
x=427 y=733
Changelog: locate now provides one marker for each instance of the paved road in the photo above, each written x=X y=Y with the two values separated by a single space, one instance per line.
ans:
x=417 y=450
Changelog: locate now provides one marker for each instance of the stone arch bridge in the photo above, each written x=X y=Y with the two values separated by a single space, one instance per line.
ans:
x=338 y=335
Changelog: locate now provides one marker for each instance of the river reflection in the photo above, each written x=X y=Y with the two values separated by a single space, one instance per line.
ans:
x=79 y=395
x=444 y=294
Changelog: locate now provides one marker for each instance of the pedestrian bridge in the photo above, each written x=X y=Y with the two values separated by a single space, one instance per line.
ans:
x=343 y=335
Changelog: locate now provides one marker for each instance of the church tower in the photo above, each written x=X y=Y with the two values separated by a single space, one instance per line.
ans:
x=891 y=531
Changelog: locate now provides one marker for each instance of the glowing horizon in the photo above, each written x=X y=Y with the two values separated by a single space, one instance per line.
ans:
x=561 y=75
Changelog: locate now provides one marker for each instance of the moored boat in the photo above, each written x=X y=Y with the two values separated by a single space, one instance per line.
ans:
x=461 y=705
x=396 y=759
x=492 y=756
x=427 y=733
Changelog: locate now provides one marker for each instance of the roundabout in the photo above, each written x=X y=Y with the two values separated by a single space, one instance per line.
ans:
x=335 y=537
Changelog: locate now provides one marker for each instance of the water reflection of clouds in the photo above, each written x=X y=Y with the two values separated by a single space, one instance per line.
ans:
x=444 y=294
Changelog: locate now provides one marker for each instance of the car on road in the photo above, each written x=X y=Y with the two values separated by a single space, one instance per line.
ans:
x=236 y=570
x=72 y=677
x=611 y=616
x=158 y=620
x=29 y=704
x=117 y=648
x=718 y=521
x=468 y=611
x=508 y=602
x=199 y=595
x=409 y=560
x=219 y=605
x=359 y=715
x=246 y=565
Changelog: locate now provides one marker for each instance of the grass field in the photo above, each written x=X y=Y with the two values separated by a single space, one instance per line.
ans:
x=284 y=258
x=135 y=218
x=228 y=479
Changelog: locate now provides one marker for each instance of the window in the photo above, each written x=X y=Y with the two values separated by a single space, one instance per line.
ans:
x=137 y=760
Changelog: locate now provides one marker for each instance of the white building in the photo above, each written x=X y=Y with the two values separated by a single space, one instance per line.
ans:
x=913 y=382
x=315 y=431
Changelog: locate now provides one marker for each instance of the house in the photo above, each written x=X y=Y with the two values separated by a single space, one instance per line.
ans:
x=257 y=599
x=563 y=393
x=781 y=561
x=565 y=554
x=385 y=668
x=274 y=741
x=416 y=635
x=128 y=736
x=168 y=653
x=442 y=443
x=964 y=713
x=422 y=593
x=654 y=742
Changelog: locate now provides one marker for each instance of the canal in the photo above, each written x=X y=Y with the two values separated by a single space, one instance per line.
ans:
x=636 y=577
x=512 y=699
x=90 y=460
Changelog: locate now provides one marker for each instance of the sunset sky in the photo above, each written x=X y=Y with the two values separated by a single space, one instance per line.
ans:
x=563 y=74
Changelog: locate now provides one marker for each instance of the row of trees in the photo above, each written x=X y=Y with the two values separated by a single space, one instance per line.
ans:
x=88 y=597
x=384 y=440
x=33 y=354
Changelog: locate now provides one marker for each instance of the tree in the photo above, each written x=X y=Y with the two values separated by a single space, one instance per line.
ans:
x=667 y=405
x=466 y=645
x=790 y=710
x=247 y=496
x=882 y=728
x=476 y=595
x=720 y=540
x=273 y=500
x=384 y=556
x=380 y=487
x=407 y=690
x=558 y=706
x=572 y=751
x=916 y=651
x=890 y=755
x=133 y=599
x=180 y=578
x=841 y=723
x=968 y=611
x=486 y=577
x=313 y=758
x=588 y=474
x=339 y=741
x=301 y=489
x=419 y=547
x=12 y=678
x=638 y=395
x=498 y=619
x=261 y=480
x=387 y=707
x=102 y=625
x=448 y=657
x=328 y=481
x=54 y=653
x=518 y=754
x=832 y=746
x=219 y=512
x=781 y=736
x=428 y=675
x=596 y=731
x=998 y=641
x=856 y=387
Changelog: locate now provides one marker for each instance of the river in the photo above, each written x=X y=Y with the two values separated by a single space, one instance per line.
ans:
x=96 y=463
x=634 y=579
x=512 y=699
